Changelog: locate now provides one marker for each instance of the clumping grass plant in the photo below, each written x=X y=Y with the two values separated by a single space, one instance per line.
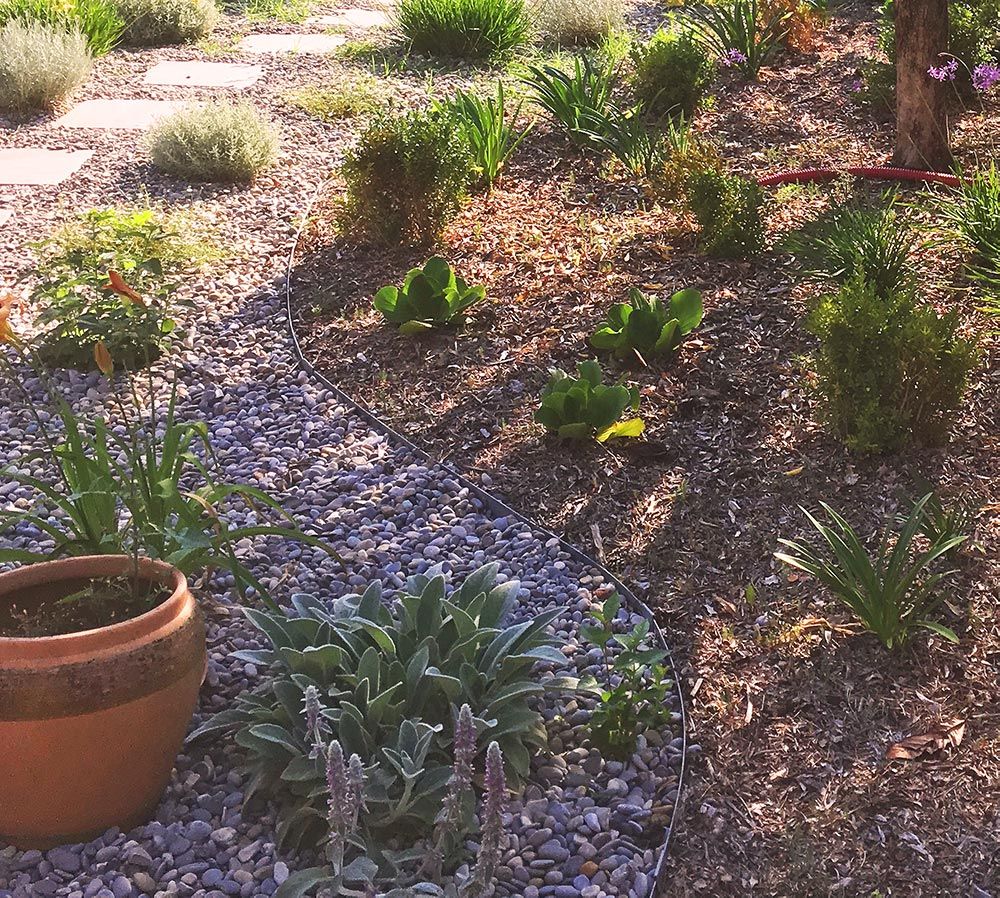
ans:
x=99 y=20
x=873 y=243
x=741 y=34
x=893 y=590
x=485 y=125
x=464 y=29
x=406 y=178
x=570 y=23
x=217 y=141
x=40 y=64
x=156 y=23
x=971 y=214
x=573 y=98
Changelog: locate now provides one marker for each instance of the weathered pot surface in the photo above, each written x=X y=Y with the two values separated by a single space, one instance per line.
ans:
x=91 y=722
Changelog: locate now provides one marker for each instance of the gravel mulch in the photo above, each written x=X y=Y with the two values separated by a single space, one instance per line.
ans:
x=584 y=825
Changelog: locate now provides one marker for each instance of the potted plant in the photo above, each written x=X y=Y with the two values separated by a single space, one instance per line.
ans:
x=102 y=645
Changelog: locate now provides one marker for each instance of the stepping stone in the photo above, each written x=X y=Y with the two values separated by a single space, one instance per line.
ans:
x=203 y=74
x=292 y=43
x=5 y=215
x=34 y=166
x=353 y=18
x=117 y=114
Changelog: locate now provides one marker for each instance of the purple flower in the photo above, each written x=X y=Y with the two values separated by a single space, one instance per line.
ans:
x=946 y=72
x=985 y=76
x=733 y=58
x=857 y=85
x=495 y=783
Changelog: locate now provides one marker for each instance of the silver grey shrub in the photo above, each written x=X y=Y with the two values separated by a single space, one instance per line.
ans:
x=216 y=141
x=40 y=64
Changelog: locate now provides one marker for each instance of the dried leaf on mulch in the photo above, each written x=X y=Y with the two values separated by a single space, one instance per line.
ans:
x=944 y=734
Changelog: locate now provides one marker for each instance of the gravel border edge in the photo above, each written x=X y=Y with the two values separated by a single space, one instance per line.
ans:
x=494 y=505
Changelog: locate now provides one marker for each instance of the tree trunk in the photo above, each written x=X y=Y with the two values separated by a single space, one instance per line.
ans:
x=921 y=110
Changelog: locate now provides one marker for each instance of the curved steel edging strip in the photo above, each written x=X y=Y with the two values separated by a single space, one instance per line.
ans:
x=500 y=508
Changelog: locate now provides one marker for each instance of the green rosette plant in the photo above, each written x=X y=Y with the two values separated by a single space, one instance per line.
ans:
x=584 y=408
x=432 y=296
x=644 y=327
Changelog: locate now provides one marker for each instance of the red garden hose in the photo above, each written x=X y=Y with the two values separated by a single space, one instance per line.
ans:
x=879 y=172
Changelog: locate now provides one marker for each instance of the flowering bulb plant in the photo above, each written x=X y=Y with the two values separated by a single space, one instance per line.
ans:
x=140 y=483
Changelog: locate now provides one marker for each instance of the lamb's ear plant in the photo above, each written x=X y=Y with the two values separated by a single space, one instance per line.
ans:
x=644 y=327
x=385 y=681
x=892 y=591
x=585 y=408
x=432 y=296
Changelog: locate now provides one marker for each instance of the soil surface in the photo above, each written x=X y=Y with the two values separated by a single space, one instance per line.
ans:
x=793 y=706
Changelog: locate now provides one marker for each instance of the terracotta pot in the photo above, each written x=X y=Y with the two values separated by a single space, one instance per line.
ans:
x=91 y=722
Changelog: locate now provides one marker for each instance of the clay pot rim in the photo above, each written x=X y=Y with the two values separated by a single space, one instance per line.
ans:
x=65 y=645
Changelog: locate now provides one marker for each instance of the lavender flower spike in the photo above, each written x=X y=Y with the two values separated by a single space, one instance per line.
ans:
x=480 y=884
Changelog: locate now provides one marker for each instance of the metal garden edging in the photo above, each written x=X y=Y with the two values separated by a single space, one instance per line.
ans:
x=498 y=507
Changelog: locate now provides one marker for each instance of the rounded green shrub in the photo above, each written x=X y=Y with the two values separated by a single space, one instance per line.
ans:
x=405 y=178
x=466 y=29
x=217 y=141
x=729 y=210
x=889 y=370
x=40 y=64
x=672 y=72
x=155 y=23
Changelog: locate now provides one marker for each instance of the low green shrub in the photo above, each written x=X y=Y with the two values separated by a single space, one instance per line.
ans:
x=852 y=240
x=384 y=681
x=571 y=23
x=99 y=20
x=645 y=327
x=893 y=591
x=584 y=408
x=430 y=297
x=729 y=210
x=633 y=697
x=156 y=23
x=76 y=310
x=405 y=178
x=40 y=65
x=464 y=29
x=483 y=122
x=888 y=370
x=671 y=73
x=216 y=141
